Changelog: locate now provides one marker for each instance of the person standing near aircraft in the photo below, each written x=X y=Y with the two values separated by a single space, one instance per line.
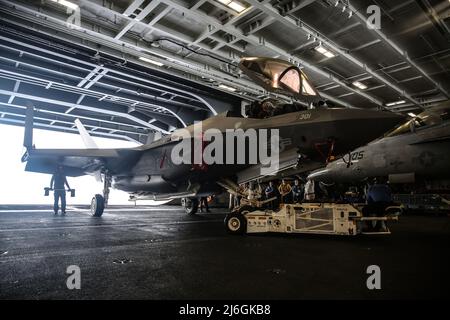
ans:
x=251 y=192
x=379 y=194
x=309 y=191
x=204 y=204
x=258 y=191
x=297 y=192
x=270 y=192
x=285 y=190
x=57 y=184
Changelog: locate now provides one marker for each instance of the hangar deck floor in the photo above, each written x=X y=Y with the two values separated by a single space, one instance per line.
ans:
x=174 y=256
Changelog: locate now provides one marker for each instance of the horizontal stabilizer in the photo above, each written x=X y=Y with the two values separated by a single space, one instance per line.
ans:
x=87 y=139
x=76 y=162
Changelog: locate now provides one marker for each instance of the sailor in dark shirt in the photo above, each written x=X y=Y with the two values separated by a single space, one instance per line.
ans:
x=57 y=184
x=379 y=193
x=297 y=192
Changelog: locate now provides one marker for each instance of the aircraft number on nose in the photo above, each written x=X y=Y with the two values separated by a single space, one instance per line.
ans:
x=357 y=155
x=304 y=116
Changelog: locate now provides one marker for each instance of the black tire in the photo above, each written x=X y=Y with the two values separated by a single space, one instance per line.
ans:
x=190 y=205
x=235 y=223
x=97 y=205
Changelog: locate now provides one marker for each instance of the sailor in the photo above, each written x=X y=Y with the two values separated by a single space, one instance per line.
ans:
x=309 y=194
x=285 y=190
x=270 y=192
x=379 y=197
x=297 y=192
x=379 y=194
x=57 y=184
x=258 y=191
x=204 y=204
x=250 y=192
x=239 y=193
x=267 y=109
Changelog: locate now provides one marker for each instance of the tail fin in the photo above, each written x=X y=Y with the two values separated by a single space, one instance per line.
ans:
x=28 y=136
x=87 y=139
x=153 y=136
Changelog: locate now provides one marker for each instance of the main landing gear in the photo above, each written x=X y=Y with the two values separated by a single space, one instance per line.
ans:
x=190 y=205
x=99 y=202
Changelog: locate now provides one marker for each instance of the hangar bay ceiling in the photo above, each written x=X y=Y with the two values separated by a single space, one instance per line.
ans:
x=129 y=68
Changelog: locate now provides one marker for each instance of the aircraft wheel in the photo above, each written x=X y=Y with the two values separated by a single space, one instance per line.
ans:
x=235 y=223
x=97 y=205
x=190 y=205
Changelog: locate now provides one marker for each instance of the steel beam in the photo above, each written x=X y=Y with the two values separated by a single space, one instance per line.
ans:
x=256 y=41
x=138 y=49
x=53 y=127
x=84 y=107
x=53 y=115
x=400 y=51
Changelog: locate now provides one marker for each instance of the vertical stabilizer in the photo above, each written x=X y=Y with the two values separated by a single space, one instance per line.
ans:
x=153 y=136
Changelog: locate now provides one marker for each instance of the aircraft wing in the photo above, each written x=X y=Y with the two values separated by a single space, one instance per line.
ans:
x=76 y=162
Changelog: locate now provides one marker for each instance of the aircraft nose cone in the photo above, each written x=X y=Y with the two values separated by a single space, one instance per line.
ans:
x=318 y=175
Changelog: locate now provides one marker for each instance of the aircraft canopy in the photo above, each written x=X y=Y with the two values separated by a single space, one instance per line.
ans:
x=279 y=76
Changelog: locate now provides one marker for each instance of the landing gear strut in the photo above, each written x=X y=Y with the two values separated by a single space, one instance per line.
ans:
x=190 y=205
x=99 y=202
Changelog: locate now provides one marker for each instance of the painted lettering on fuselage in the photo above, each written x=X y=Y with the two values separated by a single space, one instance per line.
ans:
x=304 y=116
x=357 y=155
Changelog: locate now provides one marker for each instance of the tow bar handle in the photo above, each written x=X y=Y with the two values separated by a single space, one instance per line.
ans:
x=47 y=191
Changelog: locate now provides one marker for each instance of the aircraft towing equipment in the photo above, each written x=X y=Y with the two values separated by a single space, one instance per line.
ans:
x=313 y=218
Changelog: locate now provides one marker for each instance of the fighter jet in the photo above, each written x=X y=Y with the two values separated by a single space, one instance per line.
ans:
x=417 y=149
x=152 y=171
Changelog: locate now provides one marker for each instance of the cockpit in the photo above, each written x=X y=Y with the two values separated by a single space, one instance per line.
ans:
x=430 y=117
x=270 y=108
x=276 y=75
x=280 y=77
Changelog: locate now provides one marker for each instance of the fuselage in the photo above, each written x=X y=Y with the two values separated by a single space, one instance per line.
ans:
x=420 y=152
x=310 y=132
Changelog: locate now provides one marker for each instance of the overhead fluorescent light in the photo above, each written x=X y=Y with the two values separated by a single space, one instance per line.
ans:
x=360 y=85
x=235 y=5
x=395 y=103
x=325 y=52
x=222 y=86
x=67 y=4
x=413 y=115
x=159 y=64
